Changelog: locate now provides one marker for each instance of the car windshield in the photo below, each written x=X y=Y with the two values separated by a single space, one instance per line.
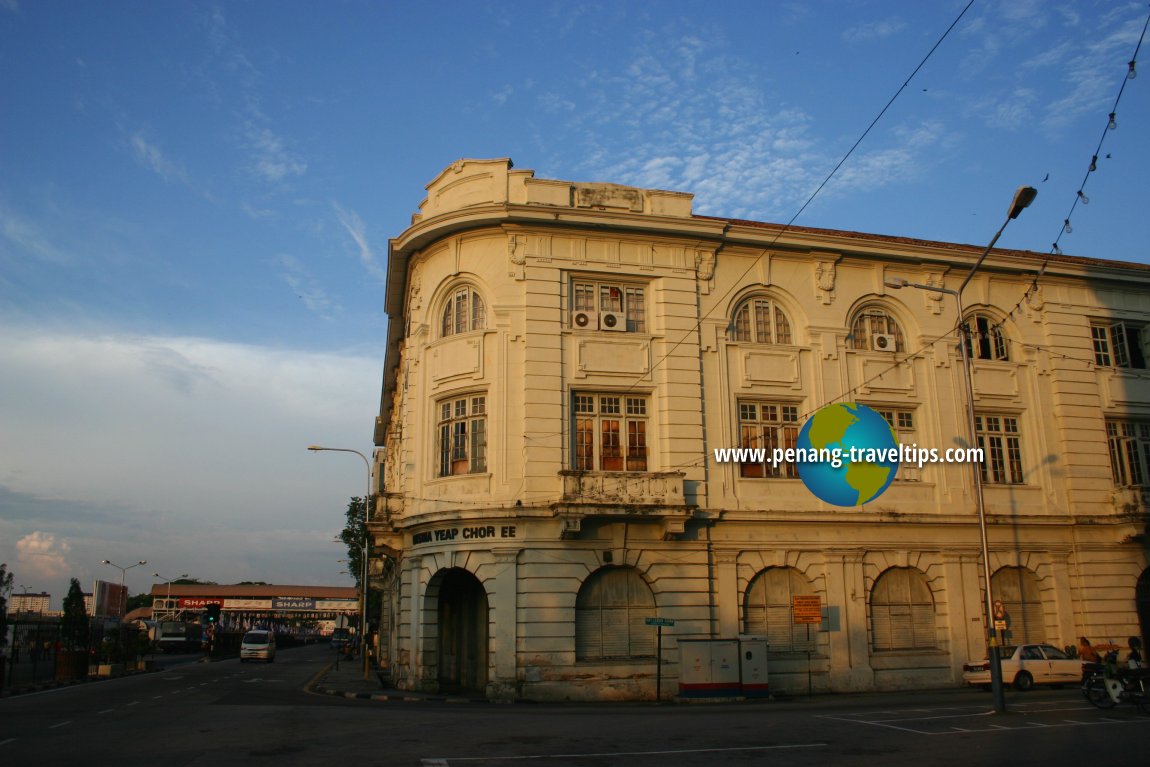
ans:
x=256 y=637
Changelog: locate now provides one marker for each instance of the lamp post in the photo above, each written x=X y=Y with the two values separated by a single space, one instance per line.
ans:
x=365 y=546
x=168 y=598
x=123 y=571
x=1022 y=199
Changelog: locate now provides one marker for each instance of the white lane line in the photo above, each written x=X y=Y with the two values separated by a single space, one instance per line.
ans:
x=6 y=742
x=157 y=697
x=60 y=724
x=106 y=711
x=615 y=754
x=134 y=703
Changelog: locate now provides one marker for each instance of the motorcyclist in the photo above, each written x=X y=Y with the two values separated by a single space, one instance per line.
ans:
x=1134 y=657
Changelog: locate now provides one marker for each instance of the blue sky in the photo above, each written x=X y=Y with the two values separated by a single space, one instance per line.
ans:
x=195 y=202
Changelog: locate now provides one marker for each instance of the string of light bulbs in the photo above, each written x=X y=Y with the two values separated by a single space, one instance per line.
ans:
x=1080 y=194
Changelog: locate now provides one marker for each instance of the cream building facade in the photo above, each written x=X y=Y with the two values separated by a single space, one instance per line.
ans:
x=564 y=359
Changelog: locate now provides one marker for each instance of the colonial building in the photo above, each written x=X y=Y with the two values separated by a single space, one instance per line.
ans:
x=565 y=358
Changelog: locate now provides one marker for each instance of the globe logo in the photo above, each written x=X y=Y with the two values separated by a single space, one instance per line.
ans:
x=867 y=451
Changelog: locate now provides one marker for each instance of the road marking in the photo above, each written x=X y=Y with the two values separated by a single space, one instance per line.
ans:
x=446 y=762
x=6 y=742
x=134 y=703
x=60 y=724
x=106 y=711
x=157 y=697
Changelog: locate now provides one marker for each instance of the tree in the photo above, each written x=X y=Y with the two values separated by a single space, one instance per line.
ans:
x=5 y=589
x=353 y=536
x=74 y=632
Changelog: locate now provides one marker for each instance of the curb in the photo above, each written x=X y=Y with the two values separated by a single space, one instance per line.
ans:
x=26 y=689
x=398 y=697
x=314 y=688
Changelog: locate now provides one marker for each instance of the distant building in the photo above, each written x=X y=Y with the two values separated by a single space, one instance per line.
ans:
x=565 y=358
x=251 y=605
x=29 y=603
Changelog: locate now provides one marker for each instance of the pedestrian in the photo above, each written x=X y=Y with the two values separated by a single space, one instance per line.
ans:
x=1086 y=651
x=1134 y=658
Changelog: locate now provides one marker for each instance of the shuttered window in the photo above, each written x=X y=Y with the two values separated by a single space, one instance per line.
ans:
x=1017 y=589
x=610 y=616
x=902 y=611
x=767 y=609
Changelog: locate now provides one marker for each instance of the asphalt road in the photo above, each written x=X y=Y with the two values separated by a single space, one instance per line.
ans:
x=229 y=713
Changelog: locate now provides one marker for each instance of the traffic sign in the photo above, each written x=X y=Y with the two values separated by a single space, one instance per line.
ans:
x=659 y=621
x=807 y=609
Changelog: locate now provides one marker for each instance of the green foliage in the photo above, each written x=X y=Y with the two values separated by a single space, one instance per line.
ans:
x=5 y=589
x=74 y=624
x=138 y=601
x=353 y=536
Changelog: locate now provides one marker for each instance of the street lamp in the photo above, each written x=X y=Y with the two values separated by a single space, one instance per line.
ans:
x=366 y=550
x=168 y=598
x=1022 y=199
x=123 y=571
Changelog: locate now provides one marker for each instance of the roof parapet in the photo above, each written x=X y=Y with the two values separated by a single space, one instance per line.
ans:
x=468 y=183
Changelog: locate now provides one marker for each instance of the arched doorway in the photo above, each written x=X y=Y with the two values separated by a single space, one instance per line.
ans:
x=462 y=619
x=1021 y=596
x=1142 y=603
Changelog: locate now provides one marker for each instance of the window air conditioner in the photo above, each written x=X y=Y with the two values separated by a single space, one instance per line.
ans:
x=612 y=321
x=583 y=320
x=883 y=342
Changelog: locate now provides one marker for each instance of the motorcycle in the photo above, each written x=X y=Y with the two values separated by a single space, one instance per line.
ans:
x=1107 y=684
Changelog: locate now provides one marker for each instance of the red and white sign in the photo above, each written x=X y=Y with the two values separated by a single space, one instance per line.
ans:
x=198 y=602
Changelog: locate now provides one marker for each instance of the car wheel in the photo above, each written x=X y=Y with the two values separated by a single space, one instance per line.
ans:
x=1024 y=681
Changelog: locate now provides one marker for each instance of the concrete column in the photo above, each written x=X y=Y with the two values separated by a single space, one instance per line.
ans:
x=502 y=593
x=1065 y=626
x=849 y=649
x=727 y=596
x=419 y=579
x=963 y=636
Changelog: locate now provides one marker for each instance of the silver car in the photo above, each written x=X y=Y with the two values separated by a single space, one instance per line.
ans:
x=1027 y=665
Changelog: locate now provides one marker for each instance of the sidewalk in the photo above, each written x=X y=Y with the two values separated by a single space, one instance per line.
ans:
x=347 y=681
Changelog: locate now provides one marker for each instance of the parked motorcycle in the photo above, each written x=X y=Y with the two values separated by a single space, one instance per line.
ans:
x=1107 y=684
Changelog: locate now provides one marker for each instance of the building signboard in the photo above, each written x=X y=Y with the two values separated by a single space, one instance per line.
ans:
x=807 y=609
x=293 y=603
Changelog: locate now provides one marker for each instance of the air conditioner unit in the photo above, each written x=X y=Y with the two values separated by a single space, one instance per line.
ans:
x=883 y=342
x=612 y=321
x=583 y=321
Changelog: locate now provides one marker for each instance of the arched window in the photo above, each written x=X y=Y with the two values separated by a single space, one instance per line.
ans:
x=610 y=613
x=464 y=312
x=767 y=608
x=874 y=329
x=902 y=611
x=984 y=340
x=1017 y=589
x=762 y=321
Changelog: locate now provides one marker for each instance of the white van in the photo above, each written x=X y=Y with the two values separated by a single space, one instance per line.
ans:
x=258 y=645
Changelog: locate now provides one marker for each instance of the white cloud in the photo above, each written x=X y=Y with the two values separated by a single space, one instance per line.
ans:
x=875 y=30
x=39 y=557
x=16 y=230
x=187 y=452
x=150 y=156
x=354 y=226
x=306 y=287
x=684 y=114
x=270 y=159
